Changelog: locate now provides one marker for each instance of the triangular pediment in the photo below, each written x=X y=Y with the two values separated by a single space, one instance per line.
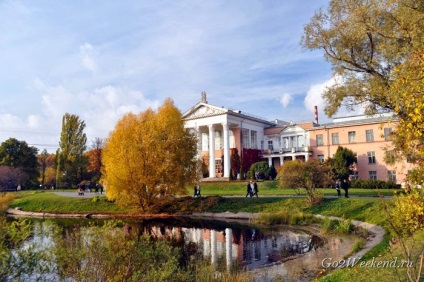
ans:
x=203 y=110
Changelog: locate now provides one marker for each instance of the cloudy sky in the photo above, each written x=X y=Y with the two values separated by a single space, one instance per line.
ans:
x=101 y=59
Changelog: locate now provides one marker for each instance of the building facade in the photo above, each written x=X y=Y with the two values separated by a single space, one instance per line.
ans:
x=219 y=130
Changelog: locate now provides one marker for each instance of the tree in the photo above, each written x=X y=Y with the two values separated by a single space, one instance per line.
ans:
x=343 y=161
x=18 y=154
x=375 y=48
x=94 y=158
x=11 y=177
x=147 y=156
x=69 y=156
x=47 y=169
x=235 y=162
x=307 y=175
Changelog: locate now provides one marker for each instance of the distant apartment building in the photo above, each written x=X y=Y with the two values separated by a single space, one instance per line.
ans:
x=219 y=130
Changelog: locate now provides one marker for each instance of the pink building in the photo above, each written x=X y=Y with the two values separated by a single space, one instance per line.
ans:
x=366 y=136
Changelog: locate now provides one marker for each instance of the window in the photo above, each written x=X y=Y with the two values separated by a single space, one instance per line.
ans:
x=354 y=175
x=373 y=175
x=218 y=140
x=371 y=157
x=253 y=139
x=286 y=142
x=270 y=145
x=369 y=135
x=218 y=166
x=321 y=158
x=351 y=136
x=205 y=143
x=335 y=138
x=391 y=175
x=320 y=140
x=387 y=133
x=245 y=133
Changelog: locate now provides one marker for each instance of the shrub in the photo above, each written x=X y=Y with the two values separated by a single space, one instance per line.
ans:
x=373 y=184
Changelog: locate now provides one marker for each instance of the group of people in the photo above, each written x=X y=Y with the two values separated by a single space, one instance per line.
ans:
x=81 y=190
x=252 y=189
x=342 y=185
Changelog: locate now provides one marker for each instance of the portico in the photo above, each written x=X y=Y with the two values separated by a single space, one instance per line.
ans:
x=218 y=130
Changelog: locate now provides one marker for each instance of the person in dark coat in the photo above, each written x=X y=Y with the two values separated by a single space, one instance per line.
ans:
x=255 y=189
x=345 y=187
x=249 y=189
x=337 y=186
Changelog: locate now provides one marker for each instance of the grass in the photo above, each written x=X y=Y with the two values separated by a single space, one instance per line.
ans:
x=41 y=201
x=270 y=188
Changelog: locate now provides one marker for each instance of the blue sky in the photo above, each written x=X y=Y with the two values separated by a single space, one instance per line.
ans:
x=101 y=59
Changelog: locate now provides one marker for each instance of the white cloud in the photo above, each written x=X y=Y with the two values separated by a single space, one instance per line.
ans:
x=285 y=100
x=87 y=57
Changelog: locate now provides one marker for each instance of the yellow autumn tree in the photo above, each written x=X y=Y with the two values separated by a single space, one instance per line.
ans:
x=148 y=156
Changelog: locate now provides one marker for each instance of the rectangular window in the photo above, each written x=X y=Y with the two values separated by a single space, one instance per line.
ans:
x=354 y=175
x=205 y=142
x=270 y=145
x=369 y=135
x=373 y=175
x=335 y=138
x=371 y=157
x=391 y=175
x=218 y=140
x=254 y=139
x=286 y=142
x=321 y=158
x=218 y=166
x=351 y=136
x=387 y=133
x=245 y=133
x=320 y=140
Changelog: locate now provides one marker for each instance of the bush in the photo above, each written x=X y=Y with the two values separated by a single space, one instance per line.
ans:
x=373 y=184
x=265 y=171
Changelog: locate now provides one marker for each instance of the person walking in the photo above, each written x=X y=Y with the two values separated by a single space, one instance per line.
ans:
x=249 y=189
x=345 y=187
x=255 y=189
x=337 y=186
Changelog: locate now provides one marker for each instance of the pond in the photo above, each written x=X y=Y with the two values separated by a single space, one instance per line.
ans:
x=266 y=252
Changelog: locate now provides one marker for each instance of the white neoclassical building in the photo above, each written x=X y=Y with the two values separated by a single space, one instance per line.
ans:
x=220 y=129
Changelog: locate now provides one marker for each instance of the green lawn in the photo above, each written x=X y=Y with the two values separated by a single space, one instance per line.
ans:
x=270 y=188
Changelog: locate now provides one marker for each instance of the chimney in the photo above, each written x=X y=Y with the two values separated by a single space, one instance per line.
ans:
x=316 y=114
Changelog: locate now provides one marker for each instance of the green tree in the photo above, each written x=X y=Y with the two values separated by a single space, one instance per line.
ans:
x=70 y=160
x=376 y=50
x=343 y=162
x=147 y=156
x=18 y=154
x=307 y=175
x=365 y=40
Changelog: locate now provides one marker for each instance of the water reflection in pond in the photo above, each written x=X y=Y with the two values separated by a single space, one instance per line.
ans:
x=247 y=245
x=289 y=252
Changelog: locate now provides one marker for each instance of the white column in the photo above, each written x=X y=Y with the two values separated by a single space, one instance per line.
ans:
x=211 y=151
x=281 y=161
x=199 y=143
x=229 y=247
x=227 y=164
x=270 y=161
x=213 y=247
